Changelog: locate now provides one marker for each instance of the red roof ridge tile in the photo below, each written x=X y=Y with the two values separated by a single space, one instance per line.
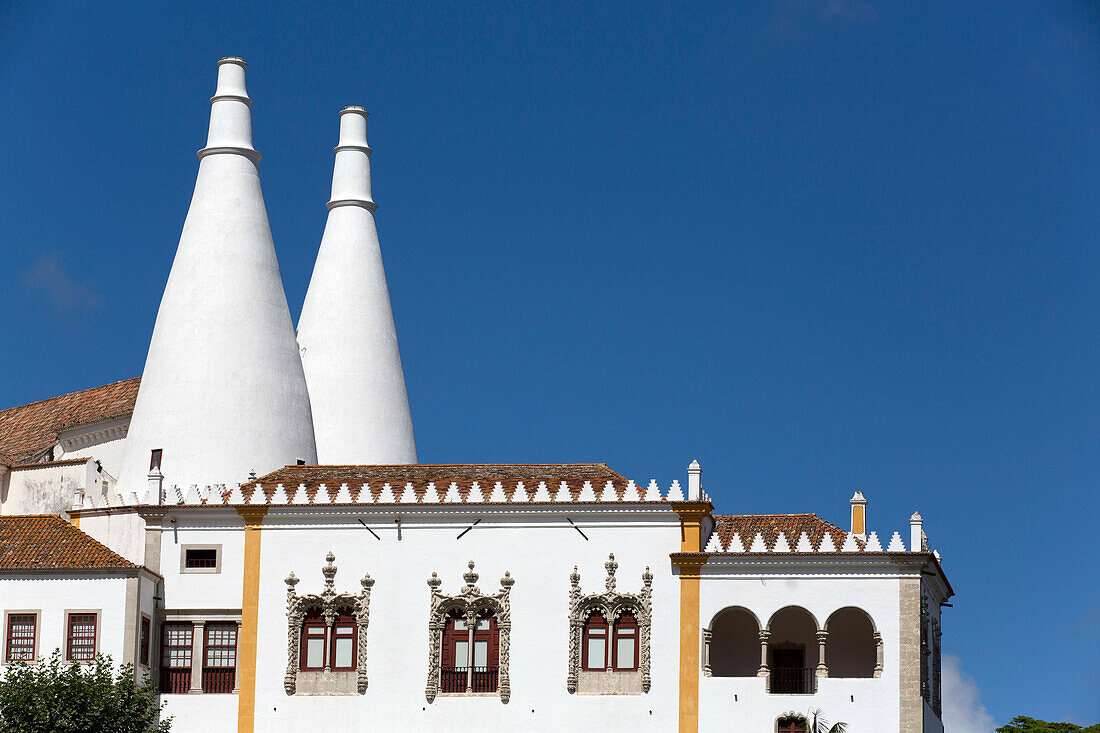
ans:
x=70 y=394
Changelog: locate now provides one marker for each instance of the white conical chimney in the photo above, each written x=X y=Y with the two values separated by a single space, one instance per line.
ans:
x=223 y=390
x=346 y=333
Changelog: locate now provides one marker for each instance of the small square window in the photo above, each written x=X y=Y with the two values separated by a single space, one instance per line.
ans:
x=201 y=559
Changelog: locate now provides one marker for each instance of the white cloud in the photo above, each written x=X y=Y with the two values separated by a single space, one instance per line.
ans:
x=963 y=711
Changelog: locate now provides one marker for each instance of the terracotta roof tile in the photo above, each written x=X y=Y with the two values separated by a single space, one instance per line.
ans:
x=770 y=525
x=463 y=474
x=28 y=430
x=48 y=542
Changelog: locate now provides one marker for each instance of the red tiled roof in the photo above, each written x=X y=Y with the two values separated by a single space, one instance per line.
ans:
x=770 y=525
x=28 y=430
x=48 y=542
x=442 y=475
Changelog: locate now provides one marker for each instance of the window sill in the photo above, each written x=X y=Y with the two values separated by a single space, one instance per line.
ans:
x=468 y=694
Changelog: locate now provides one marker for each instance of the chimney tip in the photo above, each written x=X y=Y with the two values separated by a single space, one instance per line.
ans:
x=354 y=108
x=232 y=60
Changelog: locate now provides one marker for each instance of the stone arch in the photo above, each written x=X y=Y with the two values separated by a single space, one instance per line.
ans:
x=732 y=643
x=793 y=658
x=853 y=645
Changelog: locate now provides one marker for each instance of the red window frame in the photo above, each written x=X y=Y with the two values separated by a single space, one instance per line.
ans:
x=219 y=657
x=343 y=624
x=176 y=678
x=625 y=627
x=81 y=630
x=313 y=624
x=16 y=647
x=791 y=725
x=145 y=634
x=595 y=626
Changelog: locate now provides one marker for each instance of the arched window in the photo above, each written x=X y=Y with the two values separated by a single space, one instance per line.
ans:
x=791 y=725
x=594 y=644
x=733 y=645
x=852 y=646
x=332 y=648
x=626 y=643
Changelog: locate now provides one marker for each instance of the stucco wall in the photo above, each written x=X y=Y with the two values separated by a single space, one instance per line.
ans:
x=538 y=551
x=48 y=489
x=53 y=594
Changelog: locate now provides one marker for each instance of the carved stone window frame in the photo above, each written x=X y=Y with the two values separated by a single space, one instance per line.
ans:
x=611 y=604
x=470 y=603
x=329 y=604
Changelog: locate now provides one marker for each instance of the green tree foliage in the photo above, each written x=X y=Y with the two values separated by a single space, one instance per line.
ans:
x=1024 y=724
x=818 y=724
x=55 y=697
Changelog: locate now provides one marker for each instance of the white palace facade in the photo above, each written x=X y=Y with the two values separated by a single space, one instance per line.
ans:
x=247 y=524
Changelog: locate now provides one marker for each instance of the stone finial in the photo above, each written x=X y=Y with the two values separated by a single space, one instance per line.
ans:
x=329 y=570
x=367 y=582
x=647 y=578
x=291 y=581
x=695 y=482
x=434 y=582
x=575 y=578
x=611 y=566
x=252 y=475
x=470 y=576
x=507 y=581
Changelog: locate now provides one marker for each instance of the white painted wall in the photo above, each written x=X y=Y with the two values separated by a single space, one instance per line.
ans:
x=539 y=551
x=49 y=488
x=53 y=594
x=120 y=529
x=875 y=707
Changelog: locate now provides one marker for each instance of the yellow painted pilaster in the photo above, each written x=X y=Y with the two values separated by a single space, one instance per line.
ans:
x=250 y=605
x=74 y=519
x=688 y=562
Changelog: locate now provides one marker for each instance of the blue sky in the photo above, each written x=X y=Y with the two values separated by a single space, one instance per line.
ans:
x=820 y=246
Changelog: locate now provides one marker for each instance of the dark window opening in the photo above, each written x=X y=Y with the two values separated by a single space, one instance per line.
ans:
x=146 y=632
x=154 y=458
x=201 y=558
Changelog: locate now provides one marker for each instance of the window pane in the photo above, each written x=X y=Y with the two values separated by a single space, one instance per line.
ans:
x=460 y=624
x=343 y=652
x=624 y=650
x=315 y=652
x=481 y=653
x=596 y=652
x=482 y=624
x=462 y=654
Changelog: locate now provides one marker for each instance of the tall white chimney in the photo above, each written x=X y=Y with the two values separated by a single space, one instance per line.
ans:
x=223 y=389
x=346 y=333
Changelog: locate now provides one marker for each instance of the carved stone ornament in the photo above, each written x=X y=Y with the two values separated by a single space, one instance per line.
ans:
x=611 y=604
x=329 y=604
x=470 y=602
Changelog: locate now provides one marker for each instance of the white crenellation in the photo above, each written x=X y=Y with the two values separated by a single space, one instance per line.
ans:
x=498 y=496
x=343 y=496
x=675 y=493
x=191 y=496
x=301 y=496
x=850 y=544
x=475 y=496
x=587 y=494
x=873 y=544
x=520 y=494
x=609 y=493
x=453 y=497
x=542 y=493
x=781 y=544
x=431 y=496
x=279 y=496
x=804 y=544
x=563 y=493
x=652 y=491
x=236 y=496
x=827 y=544
x=322 y=495
x=386 y=497
x=408 y=496
x=631 y=493
x=366 y=496
x=735 y=543
x=896 y=545
x=758 y=544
